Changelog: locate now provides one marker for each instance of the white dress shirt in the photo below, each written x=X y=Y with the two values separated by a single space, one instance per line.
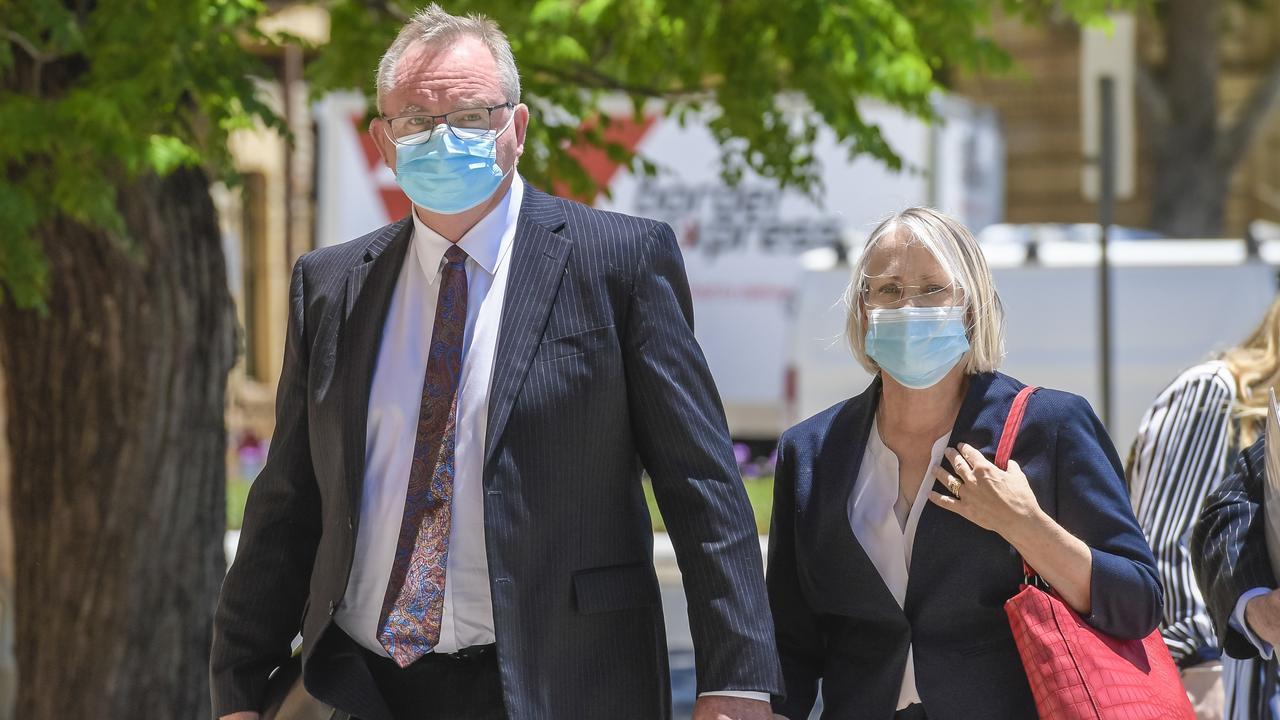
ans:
x=1242 y=626
x=885 y=526
x=394 y=400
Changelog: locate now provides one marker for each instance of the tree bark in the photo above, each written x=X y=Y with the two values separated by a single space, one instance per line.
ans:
x=1190 y=184
x=115 y=406
x=1189 y=193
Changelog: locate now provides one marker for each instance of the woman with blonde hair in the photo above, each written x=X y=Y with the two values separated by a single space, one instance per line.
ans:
x=1186 y=443
x=896 y=541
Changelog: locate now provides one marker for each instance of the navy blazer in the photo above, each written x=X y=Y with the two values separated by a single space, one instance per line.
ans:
x=836 y=620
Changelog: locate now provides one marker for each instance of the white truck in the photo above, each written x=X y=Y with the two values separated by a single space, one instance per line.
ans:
x=742 y=244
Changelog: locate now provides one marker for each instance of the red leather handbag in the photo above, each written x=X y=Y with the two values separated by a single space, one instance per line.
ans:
x=1077 y=672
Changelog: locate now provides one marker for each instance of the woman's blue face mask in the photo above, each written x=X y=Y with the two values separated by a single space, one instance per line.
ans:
x=449 y=175
x=917 y=346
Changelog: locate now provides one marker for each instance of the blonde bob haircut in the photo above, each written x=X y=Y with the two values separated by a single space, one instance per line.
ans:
x=957 y=251
x=1255 y=365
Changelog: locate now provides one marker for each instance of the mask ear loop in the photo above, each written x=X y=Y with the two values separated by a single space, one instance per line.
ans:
x=510 y=121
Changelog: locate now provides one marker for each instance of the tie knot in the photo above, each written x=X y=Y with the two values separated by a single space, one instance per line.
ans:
x=455 y=255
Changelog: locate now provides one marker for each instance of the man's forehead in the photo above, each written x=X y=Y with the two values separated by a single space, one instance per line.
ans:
x=439 y=95
x=461 y=102
x=434 y=79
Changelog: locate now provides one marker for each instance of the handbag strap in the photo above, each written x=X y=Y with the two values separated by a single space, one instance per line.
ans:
x=1011 y=426
x=1010 y=434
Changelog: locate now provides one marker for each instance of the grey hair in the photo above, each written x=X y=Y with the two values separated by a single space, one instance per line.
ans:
x=433 y=25
x=955 y=248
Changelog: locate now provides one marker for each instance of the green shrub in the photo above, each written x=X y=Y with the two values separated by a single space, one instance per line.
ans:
x=759 y=492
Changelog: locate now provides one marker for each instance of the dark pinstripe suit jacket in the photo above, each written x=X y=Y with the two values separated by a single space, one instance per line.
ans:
x=838 y=622
x=1229 y=546
x=596 y=374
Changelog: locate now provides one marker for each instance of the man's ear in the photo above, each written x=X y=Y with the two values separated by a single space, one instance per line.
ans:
x=521 y=126
x=382 y=141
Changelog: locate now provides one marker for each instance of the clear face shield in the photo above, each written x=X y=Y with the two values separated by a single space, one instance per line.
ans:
x=914 y=312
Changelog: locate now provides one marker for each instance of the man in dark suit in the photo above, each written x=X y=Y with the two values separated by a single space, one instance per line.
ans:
x=1229 y=555
x=1233 y=568
x=451 y=509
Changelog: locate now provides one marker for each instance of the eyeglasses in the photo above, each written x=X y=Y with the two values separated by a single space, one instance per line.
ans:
x=895 y=295
x=464 y=124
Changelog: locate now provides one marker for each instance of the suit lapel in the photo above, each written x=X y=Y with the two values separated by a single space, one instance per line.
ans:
x=837 y=474
x=538 y=258
x=370 y=285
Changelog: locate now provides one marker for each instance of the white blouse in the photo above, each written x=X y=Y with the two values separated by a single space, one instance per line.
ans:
x=885 y=526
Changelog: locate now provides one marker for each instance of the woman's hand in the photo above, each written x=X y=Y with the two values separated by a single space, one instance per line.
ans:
x=1002 y=501
x=998 y=500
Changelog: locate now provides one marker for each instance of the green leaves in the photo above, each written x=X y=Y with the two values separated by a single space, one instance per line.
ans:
x=167 y=153
x=95 y=93
x=91 y=98
x=22 y=265
x=776 y=71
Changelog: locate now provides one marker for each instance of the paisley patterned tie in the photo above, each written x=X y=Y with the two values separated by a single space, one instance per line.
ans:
x=411 y=611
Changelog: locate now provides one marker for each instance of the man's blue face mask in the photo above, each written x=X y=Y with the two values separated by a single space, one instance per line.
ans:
x=447 y=174
x=917 y=346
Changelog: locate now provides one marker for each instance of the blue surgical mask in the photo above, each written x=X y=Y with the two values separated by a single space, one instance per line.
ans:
x=447 y=174
x=917 y=346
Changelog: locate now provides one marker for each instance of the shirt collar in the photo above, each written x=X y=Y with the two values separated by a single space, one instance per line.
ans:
x=485 y=242
x=882 y=455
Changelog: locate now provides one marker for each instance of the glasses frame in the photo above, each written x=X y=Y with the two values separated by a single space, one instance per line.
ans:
x=438 y=120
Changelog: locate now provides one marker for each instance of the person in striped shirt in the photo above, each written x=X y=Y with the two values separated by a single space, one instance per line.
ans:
x=1186 y=443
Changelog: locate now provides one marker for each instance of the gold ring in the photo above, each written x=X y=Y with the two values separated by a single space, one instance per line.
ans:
x=953 y=484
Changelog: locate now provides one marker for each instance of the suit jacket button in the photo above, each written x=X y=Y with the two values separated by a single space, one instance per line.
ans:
x=333 y=608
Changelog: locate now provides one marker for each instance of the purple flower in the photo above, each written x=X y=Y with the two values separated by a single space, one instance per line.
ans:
x=251 y=453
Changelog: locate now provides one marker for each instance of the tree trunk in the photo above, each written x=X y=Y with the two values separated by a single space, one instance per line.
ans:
x=1189 y=193
x=115 y=406
x=1190 y=184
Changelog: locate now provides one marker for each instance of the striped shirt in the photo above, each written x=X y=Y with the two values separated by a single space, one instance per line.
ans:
x=1182 y=451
